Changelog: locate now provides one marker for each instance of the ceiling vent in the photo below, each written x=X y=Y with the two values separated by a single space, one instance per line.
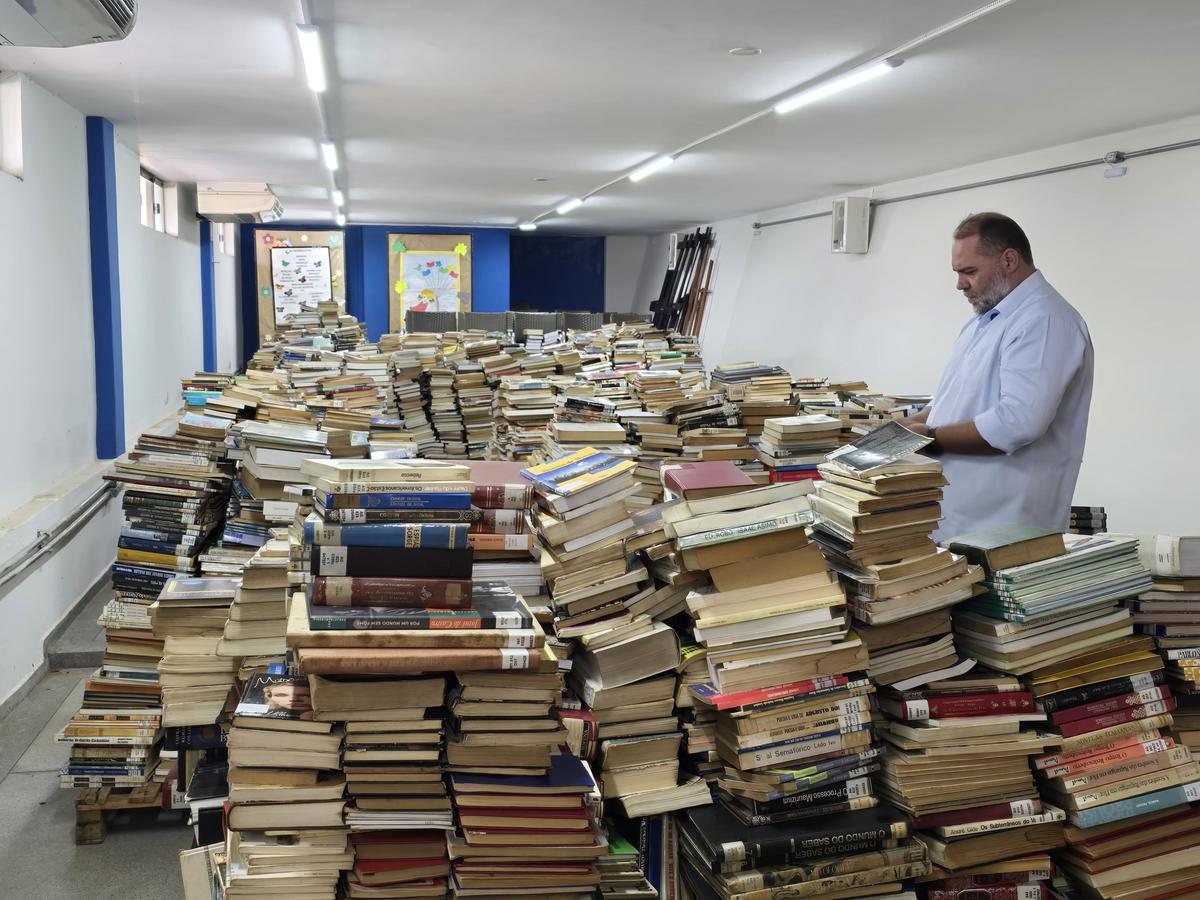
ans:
x=243 y=202
x=65 y=23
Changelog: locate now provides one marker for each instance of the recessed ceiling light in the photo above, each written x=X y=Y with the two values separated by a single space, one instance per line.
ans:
x=541 y=179
x=567 y=205
x=528 y=226
x=745 y=51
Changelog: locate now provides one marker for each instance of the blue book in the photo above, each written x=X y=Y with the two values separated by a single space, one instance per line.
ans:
x=430 y=500
x=1136 y=806
x=653 y=870
x=128 y=543
x=566 y=775
x=413 y=535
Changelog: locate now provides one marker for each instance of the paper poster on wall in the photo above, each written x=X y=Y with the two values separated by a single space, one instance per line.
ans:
x=432 y=280
x=299 y=275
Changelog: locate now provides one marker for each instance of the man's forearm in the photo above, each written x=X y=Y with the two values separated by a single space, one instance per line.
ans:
x=918 y=418
x=963 y=437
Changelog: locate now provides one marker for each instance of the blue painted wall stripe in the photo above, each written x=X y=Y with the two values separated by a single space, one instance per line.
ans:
x=353 y=260
x=208 y=297
x=247 y=292
x=106 y=288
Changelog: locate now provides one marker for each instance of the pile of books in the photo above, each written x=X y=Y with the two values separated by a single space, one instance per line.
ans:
x=1088 y=520
x=254 y=632
x=398 y=809
x=116 y=734
x=285 y=830
x=190 y=616
x=791 y=447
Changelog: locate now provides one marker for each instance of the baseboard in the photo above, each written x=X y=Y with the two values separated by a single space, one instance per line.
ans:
x=21 y=691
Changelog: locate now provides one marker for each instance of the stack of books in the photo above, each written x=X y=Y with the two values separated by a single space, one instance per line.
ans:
x=285 y=788
x=957 y=762
x=272 y=454
x=503 y=500
x=398 y=810
x=442 y=410
x=190 y=617
x=523 y=410
x=621 y=873
x=791 y=447
x=1124 y=782
x=1088 y=520
x=254 y=633
x=1044 y=612
x=526 y=834
x=1027 y=876
x=116 y=734
x=474 y=397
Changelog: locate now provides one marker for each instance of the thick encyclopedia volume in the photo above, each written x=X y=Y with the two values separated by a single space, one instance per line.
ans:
x=488 y=613
x=445 y=593
x=1101 y=691
x=388 y=562
x=393 y=501
x=431 y=536
x=502 y=496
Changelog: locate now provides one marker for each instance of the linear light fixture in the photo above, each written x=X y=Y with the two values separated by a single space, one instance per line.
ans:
x=647 y=169
x=339 y=199
x=527 y=226
x=836 y=85
x=567 y=205
x=341 y=219
x=310 y=52
x=330 y=155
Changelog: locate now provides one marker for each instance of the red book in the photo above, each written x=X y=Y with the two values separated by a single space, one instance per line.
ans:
x=708 y=694
x=990 y=879
x=1112 y=704
x=509 y=542
x=966 y=705
x=1050 y=760
x=390 y=865
x=501 y=521
x=587 y=746
x=1007 y=810
x=777 y=477
x=695 y=481
x=423 y=836
x=403 y=593
x=499 y=485
x=1094 y=723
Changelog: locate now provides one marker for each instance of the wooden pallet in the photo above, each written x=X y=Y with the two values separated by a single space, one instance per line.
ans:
x=95 y=808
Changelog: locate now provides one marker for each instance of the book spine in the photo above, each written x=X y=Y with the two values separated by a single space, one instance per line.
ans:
x=395 y=473
x=327 y=661
x=794 y=876
x=1010 y=810
x=1034 y=890
x=853 y=789
x=978 y=705
x=724 y=535
x=439 y=593
x=394 y=501
x=828 y=743
x=166 y=549
x=1102 y=736
x=1048 y=816
x=1133 y=751
x=499 y=521
x=815 y=842
x=376 y=619
x=1183 y=653
x=1136 y=806
x=1142 y=784
x=957 y=692
x=434 y=536
x=1121 y=742
x=729 y=700
x=384 y=562
x=339 y=488
x=1112 y=704
x=414 y=516
x=509 y=542
x=1131 y=714
x=502 y=496
x=851 y=721
x=844 y=884
x=849 y=706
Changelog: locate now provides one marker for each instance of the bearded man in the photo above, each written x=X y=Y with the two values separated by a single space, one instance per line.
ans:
x=1010 y=414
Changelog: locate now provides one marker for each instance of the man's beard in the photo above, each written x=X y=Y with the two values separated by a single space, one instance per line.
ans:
x=996 y=291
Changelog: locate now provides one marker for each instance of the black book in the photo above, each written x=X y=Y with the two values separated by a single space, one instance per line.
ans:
x=391 y=562
x=798 y=815
x=726 y=842
x=835 y=789
x=489 y=610
x=1102 y=690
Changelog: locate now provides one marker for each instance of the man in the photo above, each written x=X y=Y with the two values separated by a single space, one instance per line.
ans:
x=1011 y=410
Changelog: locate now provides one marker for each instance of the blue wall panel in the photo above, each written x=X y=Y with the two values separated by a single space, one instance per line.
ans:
x=247 y=296
x=106 y=288
x=553 y=272
x=208 y=297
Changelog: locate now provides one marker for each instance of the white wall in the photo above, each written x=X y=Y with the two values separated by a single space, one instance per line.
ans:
x=48 y=454
x=1120 y=250
x=634 y=265
x=161 y=321
x=229 y=320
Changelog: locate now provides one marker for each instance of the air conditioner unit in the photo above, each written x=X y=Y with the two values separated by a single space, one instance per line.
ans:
x=851 y=224
x=65 y=23
x=244 y=202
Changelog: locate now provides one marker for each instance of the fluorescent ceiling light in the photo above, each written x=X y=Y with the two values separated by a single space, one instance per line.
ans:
x=339 y=199
x=341 y=219
x=527 y=226
x=647 y=169
x=330 y=155
x=567 y=205
x=836 y=86
x=310 y=51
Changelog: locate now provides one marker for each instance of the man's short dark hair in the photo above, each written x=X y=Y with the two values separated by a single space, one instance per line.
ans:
x=996 y=232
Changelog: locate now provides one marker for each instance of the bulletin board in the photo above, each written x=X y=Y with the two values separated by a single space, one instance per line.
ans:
x=266 y=239
x=428 y=272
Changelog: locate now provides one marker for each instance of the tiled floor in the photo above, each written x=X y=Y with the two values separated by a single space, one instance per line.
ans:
x=38 y=856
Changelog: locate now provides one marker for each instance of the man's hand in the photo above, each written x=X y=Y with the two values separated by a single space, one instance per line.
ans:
x=915 y=427
x=961 y=437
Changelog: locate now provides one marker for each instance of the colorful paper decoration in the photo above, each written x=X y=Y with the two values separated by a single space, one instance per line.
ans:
x=399 y=247
x=460 y=248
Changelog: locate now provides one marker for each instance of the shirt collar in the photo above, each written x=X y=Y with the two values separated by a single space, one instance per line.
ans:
x=1018 y=295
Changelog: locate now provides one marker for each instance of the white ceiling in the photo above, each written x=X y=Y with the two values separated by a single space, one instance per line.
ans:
x=447 y=113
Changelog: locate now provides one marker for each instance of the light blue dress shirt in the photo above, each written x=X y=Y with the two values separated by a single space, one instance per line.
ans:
x=1023 y=373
